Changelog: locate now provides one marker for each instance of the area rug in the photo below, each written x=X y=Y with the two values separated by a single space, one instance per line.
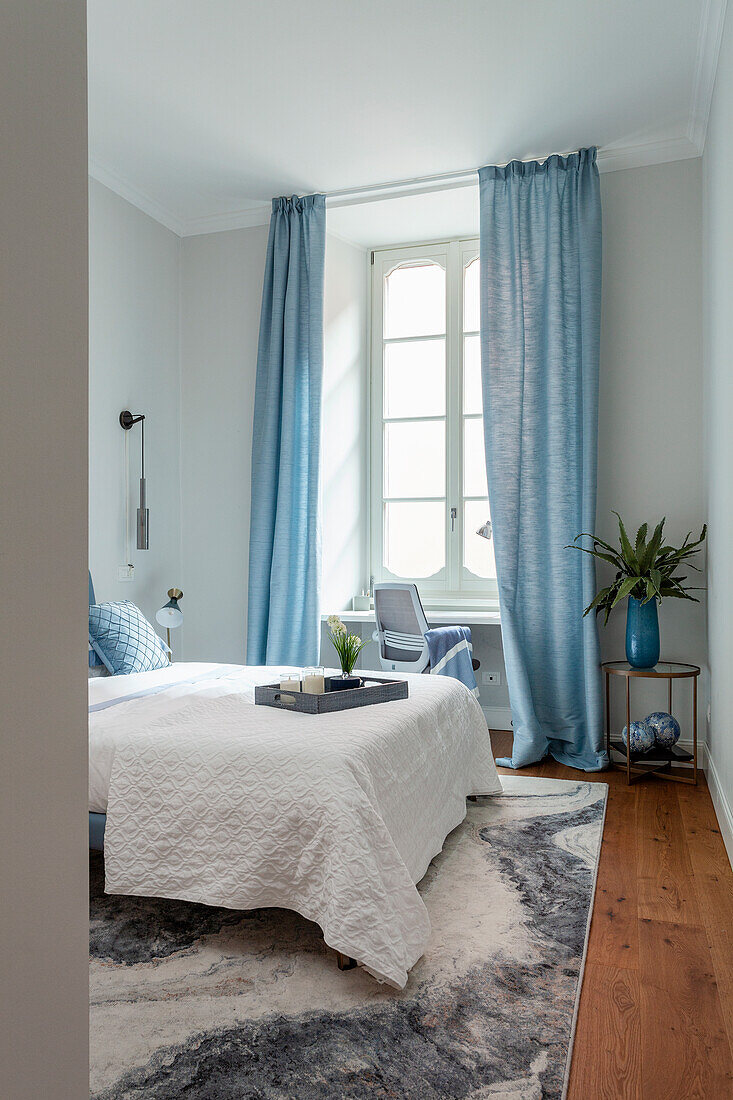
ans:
x=211 y=1004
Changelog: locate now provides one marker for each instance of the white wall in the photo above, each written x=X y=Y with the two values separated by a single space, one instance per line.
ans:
x=650 y=451
x=718 y=287
x=43 y=550
x=133 y=364
x=173 y=332
x=345 y=429
x=221 y=292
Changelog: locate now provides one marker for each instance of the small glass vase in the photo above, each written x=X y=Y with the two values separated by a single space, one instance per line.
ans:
x=344 y=681
x=642 y=633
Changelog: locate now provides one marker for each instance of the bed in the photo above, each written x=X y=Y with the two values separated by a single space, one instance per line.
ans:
x=204 y=797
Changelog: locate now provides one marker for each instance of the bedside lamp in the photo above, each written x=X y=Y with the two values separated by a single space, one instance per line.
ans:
x=170 y=615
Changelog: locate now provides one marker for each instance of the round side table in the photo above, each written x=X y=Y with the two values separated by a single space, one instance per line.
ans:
x=637 y=763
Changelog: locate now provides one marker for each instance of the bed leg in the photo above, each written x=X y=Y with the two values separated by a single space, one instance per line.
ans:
x=345 y=962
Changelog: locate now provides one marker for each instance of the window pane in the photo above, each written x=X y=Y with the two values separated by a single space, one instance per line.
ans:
x=478 y=552
x=414 y=378
x=414 y=459
x=474 y=459
x=472 y=375
x=414 y=301
x=414 y=538
x=471 y=321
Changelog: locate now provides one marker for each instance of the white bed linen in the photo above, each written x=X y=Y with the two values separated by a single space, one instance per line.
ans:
x=211 y=799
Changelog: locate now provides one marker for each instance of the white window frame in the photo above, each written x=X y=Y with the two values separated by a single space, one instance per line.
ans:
x=454 y=585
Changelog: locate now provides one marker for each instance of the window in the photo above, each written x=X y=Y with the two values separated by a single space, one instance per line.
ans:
x=429 y=493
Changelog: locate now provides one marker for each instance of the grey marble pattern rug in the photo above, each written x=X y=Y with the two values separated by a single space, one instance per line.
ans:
x=211 y=1004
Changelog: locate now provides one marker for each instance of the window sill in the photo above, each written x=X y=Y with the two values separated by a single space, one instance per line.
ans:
x=439 y=616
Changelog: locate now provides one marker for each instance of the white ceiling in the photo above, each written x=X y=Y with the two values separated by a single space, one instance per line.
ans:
x=201 y=110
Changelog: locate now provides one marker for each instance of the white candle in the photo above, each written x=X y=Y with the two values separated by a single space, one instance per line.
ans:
x=290 y=685
x=314 y=683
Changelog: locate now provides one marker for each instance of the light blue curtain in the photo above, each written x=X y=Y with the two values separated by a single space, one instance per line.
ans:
x=540 y=332
x=283 y=624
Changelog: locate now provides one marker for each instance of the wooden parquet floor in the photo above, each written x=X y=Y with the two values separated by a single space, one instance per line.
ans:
x=656 y=1008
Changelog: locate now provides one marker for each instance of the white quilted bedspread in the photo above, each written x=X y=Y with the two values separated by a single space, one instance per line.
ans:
x=336 y=816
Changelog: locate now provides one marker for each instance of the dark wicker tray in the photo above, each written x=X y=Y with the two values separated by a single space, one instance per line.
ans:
x=374 y=691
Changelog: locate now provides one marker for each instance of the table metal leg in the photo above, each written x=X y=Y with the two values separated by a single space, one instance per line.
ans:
x=694 y=729
x=628 y=731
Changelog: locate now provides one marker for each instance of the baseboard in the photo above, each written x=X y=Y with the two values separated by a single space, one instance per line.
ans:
x=498 y=718
x=722 y=807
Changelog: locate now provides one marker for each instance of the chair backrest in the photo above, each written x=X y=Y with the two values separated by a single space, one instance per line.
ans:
x=401 y=626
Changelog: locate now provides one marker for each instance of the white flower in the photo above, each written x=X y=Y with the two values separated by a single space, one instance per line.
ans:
x=335 y=625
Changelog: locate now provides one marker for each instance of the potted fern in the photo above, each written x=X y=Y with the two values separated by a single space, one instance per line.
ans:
x=646 y=573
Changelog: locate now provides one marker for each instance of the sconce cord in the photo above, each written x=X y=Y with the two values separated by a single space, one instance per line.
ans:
x=127 y=505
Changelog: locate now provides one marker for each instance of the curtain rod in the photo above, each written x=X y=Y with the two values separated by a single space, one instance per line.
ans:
x=419 y=185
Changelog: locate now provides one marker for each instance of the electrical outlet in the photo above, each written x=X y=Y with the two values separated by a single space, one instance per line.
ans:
x=124 y=572
x=491 y=676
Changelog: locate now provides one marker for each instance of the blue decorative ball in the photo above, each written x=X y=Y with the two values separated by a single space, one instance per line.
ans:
x=642 y=737
x=665 y=728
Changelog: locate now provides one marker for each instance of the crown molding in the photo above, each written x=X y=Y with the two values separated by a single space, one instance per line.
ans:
x=252 y=218
x=610 y=159
x=135 y=196
x=616 y=158
x=712 y=23
x=236 y=219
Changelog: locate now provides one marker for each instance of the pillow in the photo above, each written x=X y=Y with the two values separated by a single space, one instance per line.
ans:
x=97 y=667
x=124 y=639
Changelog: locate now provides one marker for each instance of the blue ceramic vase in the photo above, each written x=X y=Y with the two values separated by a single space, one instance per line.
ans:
x=642 y=633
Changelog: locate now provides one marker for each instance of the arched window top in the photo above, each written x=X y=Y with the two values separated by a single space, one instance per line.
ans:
x=414 y=300
x=471 y=302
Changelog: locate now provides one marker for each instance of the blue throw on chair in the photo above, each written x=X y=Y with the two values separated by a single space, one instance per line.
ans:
x=540 y=333
x=283 y=616
x=451 y=651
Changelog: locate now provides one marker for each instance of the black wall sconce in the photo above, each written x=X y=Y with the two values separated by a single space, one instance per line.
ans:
x=127 y=420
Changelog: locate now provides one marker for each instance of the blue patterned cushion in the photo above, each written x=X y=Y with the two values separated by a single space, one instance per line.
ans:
x=124 y=639
x=97 y=667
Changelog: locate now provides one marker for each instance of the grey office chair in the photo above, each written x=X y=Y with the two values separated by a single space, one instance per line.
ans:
x=401 y=628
